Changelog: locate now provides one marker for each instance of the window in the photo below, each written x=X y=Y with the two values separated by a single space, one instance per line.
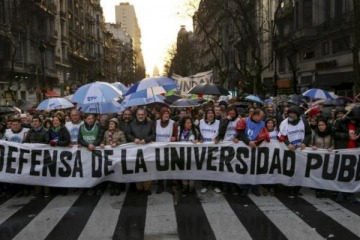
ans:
x=325 y=48
x=309 y=55
x=341 y=44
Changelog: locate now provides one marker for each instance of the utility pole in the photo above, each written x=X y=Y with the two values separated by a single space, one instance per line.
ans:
x=356 y=47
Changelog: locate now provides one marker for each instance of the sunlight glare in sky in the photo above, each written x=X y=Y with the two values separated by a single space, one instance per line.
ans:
x=159 y=21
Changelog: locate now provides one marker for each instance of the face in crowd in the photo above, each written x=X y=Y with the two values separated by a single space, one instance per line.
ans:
x=36 y=123
x=56 y=122
x=90 y=119
x=140 y=115
x=75 y=116
x=126 y=116
x=15 y=126
x=257 y=116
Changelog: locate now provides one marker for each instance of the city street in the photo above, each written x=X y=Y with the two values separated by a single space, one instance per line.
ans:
x=164 y=216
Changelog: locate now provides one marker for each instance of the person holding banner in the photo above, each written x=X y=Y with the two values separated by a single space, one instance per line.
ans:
x=252 y=131
x=347 y=135
x=166 y=131
x=295 y=132
x=209 y=130
x=113 y=137
x=90 y=136
x=59 y=136
x=73 y=125
x=141 y=131
x=227 y=132
x=321 y=137
x=38 y=134
x=188 y=133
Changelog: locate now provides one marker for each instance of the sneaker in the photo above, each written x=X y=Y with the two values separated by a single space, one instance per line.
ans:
x=203 y=190
x=217 y=190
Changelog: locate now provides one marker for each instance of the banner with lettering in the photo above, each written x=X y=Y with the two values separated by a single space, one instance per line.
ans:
x=270 y=163
x=186 y=83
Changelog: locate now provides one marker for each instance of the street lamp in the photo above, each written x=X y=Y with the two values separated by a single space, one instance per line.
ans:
x=42 y=48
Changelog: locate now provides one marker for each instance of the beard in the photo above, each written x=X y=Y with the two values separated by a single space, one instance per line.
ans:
x=293 y=120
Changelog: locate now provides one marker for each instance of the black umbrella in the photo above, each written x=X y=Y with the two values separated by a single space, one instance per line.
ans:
x=172 y=98
x=185 y=103
x=9 y=110
x=24 y=105
x=208 y=89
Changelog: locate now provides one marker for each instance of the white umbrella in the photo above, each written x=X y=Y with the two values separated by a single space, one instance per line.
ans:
x=54 y=103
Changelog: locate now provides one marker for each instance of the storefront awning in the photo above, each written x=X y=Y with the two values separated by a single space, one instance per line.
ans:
x=51 y=93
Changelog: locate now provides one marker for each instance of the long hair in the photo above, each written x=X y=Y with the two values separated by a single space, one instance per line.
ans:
x=193 y=127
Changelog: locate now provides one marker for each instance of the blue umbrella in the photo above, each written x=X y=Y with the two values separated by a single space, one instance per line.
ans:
x=253 y=98
x=185 y=103
x=128 y=102
x=120 y=86
x=100 y=108
x=155 y=83
x=54 y=103
x=317 y=94
x=97 y=92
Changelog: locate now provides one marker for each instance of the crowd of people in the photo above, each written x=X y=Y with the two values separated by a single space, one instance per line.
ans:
x=294 y=125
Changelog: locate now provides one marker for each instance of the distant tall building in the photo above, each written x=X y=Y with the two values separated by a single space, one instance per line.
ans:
x=156 y=71
x=125 y=15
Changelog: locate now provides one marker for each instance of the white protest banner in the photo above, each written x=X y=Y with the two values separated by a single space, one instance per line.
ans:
x=270 y=163
x=186 y=83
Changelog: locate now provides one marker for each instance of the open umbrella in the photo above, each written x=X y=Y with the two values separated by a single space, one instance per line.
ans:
x=54 y=103
x=128 y=102
x=163 y=84
x=317 y=93
x=24 y=105
x=100 y=108
x=9 y=110
x=253 y=98
x=97 y=92
x=121 y=87
x=208 y=89
x=172 y=98
x=185 y=103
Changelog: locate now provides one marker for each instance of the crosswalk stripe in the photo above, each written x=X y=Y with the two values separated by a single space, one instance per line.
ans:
x=22 y=217
x=131 y=221
x=284 y=219
x=223 y=220
x=102 y=222
x=254 y=220
x=47 y=219
x=160 y=217
x=11 y=206
x=72 y=223
x=324 y=225
x=191 y=219
x=340 y=214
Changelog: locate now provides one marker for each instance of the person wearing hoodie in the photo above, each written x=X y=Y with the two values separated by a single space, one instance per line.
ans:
x=295 y=132
x=166 y=131
x=113 y=137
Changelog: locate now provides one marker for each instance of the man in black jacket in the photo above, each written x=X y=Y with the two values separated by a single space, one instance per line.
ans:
x=141 y=131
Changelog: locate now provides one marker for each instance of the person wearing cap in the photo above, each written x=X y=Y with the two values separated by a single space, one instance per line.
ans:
x=346 y=133
x=166 y=131
x=90 y=136
x=209 y=130
x=113 y=137
x=295 y=132
x=141 y=131
x=252 y=131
